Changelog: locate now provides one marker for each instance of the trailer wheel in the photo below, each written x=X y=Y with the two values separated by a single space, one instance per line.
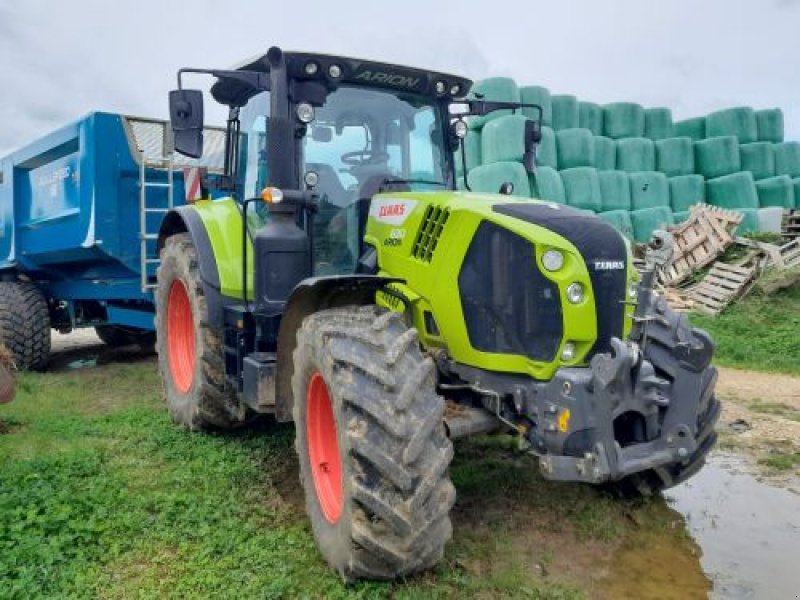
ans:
x=190 y=356
x=373 y=452
x=119 y=337
x=25 y=324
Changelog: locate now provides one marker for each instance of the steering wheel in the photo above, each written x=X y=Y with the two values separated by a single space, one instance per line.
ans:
x=364 y=157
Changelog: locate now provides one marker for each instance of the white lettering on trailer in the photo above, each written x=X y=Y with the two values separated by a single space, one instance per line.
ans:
x=392 y=211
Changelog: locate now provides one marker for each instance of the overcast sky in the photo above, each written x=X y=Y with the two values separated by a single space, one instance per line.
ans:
x=60 y=60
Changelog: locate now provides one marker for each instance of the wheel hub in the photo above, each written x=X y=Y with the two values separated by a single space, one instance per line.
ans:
x=180 y=336
x=323 y=448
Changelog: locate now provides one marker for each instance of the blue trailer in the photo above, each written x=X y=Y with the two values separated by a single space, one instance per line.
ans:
x=79 y=215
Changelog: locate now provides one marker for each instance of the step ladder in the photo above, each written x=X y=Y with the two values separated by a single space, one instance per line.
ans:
x=145 y=236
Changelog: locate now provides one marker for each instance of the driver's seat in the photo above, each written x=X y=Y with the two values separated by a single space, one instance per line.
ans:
x=330 y=184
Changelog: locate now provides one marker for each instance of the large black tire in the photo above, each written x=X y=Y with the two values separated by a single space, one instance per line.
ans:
x=25 y=324
x=190 y=354
x=662 y=348
x=392 y=451
x=116 y=336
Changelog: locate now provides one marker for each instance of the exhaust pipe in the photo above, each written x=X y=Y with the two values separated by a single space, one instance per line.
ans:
x=461 y=421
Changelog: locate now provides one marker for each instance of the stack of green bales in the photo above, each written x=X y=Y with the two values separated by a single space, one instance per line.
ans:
x=636 y=167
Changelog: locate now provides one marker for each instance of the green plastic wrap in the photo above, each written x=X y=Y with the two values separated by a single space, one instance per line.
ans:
x=770 y=219
x=776 y=191
x=590 y=116
x=620 y=220
x=694 y=128
x=685 y=191
x=647 y=220
x=769 y=123
x=494 y=88
x=615 y=190
x=749 y=222
x=758 y=158
x=732 y=191
x=681 y=217
x=787 y=159
x=489 y=178
x=623 y=120
x=547 y=185
x=636 y=154
x=796 y=185
x=575 y=148
x=582 y=188
x=739 y=122
x=565 y=111
x=472 y=151
x=605 y=153
x=717 y=156
x=503 y=139
x=536 y=94
x=657 y=123
x=649 y=189
x=675 y=156
x=546 y=155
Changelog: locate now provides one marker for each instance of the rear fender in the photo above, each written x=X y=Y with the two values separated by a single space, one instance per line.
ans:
x=312 y=295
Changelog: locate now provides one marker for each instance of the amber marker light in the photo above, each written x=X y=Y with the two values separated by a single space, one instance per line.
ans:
x=271 y=195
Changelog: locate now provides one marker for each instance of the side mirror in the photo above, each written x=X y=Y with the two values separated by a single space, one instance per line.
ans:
x=186 y=118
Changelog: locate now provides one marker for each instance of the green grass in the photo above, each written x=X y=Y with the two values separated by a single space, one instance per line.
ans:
x=101 y=496
x=776 y=408
x=781 y=461
x=759 y=332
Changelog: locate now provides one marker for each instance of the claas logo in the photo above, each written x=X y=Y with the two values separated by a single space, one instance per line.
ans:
x=392 y=210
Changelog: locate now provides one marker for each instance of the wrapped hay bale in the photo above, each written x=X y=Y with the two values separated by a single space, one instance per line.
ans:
x=536 y=94
x=749 y=222
x=575 y=148
x=623 y=120
x=714 y=157
x=590 y=116
x=636 y=154
x=734 y=191
x=769 y=123
x=503 y=139
x=620 y=220
x=685 y=191
x=489 y=178
x=770 y=219
x=787 y=159
x=758 y=158
x=472 y=152
x=694 y=128
x=647 y=220
x=681 y=216
x=796 y=183
x=649 y=189
x=675 y=156
x=582 y=188
x=776 y=191
x=494 y=88
x=565 y=111
x=605 y=153
x=657 y=123
x=615 y=190
x=546 y=154
x=739 y=122
x=547 y=185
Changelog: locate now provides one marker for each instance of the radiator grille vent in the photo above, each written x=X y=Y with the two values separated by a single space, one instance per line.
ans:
x=429 y=233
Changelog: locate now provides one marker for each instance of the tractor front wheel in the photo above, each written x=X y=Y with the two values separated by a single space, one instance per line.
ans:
x=374 y=455
x=190 y=357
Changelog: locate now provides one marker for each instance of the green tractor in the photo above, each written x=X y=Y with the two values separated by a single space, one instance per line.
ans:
x=344 y=283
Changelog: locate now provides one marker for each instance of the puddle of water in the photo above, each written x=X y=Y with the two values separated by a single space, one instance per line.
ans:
x=82 y=363
x=749 y=531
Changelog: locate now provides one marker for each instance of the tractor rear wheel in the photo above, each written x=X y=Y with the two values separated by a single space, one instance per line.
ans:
x=374 y=455
x=116 y=336
x=25 y=324
x=190 y=356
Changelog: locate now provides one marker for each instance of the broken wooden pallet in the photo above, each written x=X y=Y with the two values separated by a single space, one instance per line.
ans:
x=721 y=286
x=790 y=226
x=677 y=299
x=699 y=241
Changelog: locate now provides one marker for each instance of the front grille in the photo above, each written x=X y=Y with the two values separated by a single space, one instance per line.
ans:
x=509 y=306
x=430 y=231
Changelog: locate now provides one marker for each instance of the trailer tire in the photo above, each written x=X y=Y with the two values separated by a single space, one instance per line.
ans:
x=190 y=353
x=116 y=336
x=374 y=455
x=25 y=324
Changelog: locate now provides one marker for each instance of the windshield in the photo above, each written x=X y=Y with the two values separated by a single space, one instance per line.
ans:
x=363 y=141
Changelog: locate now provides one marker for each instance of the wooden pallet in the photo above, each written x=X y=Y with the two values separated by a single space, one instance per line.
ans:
x=790 y=227
x=721 y=286
x=699 y=241
x=677 y=299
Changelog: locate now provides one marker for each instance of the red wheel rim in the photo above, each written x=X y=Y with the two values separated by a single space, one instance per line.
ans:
x=323 y=448
x=180 y=336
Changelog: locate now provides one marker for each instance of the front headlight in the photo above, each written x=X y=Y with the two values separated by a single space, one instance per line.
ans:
x=575 y=293
x=552 y=260
x=568 y=352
